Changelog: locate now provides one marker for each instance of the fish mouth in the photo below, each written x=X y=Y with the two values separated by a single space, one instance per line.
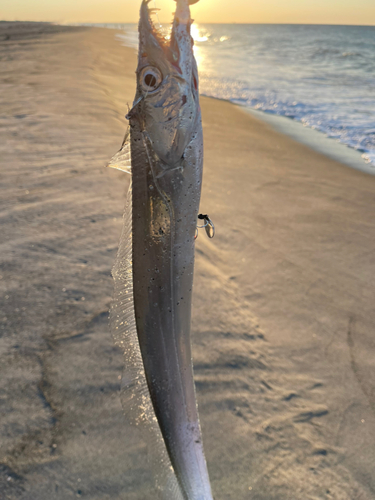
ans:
x=176 y=42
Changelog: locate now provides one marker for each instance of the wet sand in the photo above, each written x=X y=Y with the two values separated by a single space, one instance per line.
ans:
x=283 y=316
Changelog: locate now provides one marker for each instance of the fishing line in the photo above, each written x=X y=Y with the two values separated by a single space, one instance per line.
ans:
x=156 y=13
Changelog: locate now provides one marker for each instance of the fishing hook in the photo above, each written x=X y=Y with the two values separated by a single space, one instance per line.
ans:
x=208 y=226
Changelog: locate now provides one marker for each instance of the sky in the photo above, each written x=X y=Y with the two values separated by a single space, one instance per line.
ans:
x=205 y=11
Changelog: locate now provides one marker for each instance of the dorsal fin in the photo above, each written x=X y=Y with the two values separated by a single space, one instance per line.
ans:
x=122 y=159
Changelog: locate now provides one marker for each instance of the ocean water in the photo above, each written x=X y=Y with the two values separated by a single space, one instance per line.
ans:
x=321 y=76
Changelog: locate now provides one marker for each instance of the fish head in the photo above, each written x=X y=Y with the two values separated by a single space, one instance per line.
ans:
x=167 y=99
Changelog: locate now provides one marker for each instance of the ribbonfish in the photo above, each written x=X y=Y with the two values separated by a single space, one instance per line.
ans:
x=153 y=272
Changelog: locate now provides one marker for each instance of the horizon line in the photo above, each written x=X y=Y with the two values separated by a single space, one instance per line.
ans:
x=65 y=23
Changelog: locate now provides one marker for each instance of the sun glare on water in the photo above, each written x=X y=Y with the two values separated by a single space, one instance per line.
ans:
x=199 y=36
x=196 y=34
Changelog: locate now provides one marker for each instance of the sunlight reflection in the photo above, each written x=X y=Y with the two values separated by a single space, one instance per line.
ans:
x=199 y=35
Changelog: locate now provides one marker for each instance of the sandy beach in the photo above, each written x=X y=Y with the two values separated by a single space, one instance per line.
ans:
x=283 y=313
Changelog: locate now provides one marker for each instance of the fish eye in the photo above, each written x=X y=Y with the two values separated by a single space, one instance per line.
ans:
x=150 y=79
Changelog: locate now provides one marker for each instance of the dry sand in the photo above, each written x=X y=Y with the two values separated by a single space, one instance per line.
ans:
x=283 y=315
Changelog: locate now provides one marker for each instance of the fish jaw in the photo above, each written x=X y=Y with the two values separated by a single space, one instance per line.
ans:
x=181 y=41
x=168 y=114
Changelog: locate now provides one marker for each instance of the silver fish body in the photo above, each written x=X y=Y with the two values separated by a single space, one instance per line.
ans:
x=166 y=145
x=164 y=218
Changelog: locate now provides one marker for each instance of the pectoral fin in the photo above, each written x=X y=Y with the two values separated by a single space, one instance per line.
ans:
x=122 y=159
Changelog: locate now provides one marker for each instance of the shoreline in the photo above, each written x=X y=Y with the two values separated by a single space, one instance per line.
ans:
x=316 y=140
